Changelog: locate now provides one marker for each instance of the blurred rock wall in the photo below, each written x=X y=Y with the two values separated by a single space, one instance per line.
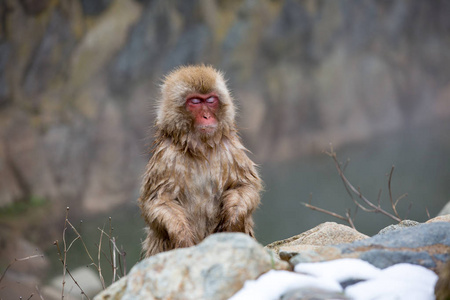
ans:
x=78 y=80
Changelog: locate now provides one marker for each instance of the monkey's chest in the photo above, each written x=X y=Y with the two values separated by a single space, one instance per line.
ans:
x=202 y=188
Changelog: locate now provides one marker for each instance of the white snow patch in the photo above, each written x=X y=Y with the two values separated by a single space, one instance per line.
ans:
x=400 y=282
x=340 y=269
x=273 y=284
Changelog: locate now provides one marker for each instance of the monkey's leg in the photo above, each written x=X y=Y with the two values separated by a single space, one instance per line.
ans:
x=238 y=206
x=167 y=219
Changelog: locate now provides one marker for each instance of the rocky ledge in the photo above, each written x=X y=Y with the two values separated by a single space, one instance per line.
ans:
x=330 y=261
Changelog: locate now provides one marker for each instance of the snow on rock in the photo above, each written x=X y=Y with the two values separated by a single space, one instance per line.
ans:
x=401 y=281
x=340 y=270
x=274 y=284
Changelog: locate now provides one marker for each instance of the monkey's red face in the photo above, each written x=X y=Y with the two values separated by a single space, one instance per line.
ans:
x=203 y=108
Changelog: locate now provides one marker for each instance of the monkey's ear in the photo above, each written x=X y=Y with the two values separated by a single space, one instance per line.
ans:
x=225 y=97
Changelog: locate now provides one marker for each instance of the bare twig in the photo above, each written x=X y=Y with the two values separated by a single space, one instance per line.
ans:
x=124 y=254
x=348 y=219
x=390 y=192
x=64 y=260
x=19 y=259
x=370 y=206
x=39 y=293
x=379 y=197
x=98 y=257
x=114 y=265
x=96 y=265
x=82 y=242
x=67 y=270
x=112 y=253
x=324 y=211
x=70 y=245
x=111 y=258
x=344 y=166
x=115 y=249
x=408 y=210
x=394 y=203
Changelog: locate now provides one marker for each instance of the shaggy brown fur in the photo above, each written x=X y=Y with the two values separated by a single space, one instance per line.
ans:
x=196 y=183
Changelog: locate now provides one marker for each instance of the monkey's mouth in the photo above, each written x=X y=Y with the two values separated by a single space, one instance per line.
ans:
x=207 y=129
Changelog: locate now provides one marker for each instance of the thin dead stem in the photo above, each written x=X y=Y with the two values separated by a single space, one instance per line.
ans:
x=112 y=253
x=19 y=259
x=64 y=261
x=39 y=293
x=390 y=192
x=112 y=259
x=66 y=269
x=98 y=257
x=370 y=207
x=347 y=218
x=324 y=211
x=114 y=265
x=361 y=202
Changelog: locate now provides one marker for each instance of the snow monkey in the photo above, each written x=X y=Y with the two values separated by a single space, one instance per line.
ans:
x=199 y=180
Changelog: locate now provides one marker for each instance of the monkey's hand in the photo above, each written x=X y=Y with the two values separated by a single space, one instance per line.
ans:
x=238 y=206
x=166 y=217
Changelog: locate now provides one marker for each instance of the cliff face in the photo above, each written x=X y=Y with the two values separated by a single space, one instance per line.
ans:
x=78 y=80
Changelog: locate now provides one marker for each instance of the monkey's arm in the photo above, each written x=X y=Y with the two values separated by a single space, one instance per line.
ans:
x=166 y=217
x=238 y=205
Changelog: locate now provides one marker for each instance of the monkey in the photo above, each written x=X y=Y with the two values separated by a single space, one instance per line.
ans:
x=199 y=179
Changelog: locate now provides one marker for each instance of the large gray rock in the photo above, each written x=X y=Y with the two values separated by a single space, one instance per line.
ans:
x=402 y=225
x=440 y=218
x=427 y=245
x=328 y=233
x=215 y=269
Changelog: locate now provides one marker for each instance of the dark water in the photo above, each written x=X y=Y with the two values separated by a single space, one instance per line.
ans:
x=422 y=169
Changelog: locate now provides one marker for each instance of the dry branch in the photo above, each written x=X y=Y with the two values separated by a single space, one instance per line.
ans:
x=350 y=188
x=19 y=259
x=361 y=202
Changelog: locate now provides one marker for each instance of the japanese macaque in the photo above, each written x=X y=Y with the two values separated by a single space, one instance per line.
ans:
x=199 y=179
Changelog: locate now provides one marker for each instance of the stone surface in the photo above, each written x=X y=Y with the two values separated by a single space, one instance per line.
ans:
x=329 y=233
x=442 y=288
x=402 y=225
x=214 y=269
x=313 y=294
x=78 y=80
x=342 y=279
x=440 y=218
x=427 y=245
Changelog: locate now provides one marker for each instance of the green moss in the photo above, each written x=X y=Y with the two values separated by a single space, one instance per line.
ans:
x=21 y=207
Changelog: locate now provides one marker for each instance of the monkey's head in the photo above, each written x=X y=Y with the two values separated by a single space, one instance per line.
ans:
x=195 y=105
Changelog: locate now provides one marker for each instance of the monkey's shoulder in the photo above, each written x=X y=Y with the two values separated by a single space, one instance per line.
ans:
x=170 y=158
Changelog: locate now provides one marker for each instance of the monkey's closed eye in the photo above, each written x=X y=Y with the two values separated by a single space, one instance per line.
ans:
x=211 y=100
x=195 y=101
